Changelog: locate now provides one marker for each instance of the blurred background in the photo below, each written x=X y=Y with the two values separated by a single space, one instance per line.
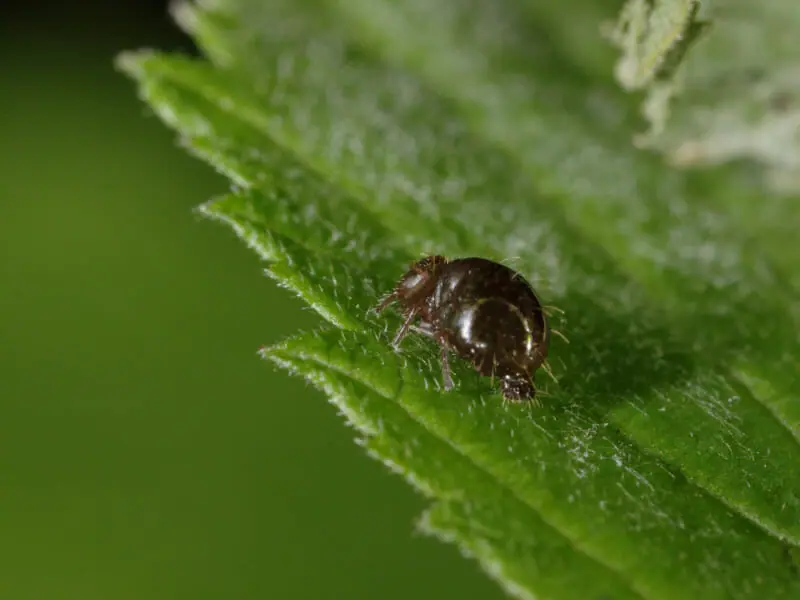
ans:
x=145 y=451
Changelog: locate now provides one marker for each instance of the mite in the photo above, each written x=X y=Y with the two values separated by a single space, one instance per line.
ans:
x=483 y=311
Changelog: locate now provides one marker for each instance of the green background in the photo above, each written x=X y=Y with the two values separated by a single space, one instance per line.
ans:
x=145 y=450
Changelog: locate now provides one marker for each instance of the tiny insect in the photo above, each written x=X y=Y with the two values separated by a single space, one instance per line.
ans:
x=483 y=311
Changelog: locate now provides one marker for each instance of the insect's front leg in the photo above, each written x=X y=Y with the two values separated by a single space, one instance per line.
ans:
x=404 y=328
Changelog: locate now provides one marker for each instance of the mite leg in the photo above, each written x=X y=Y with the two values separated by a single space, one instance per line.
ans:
x=401 y=333
x=559 y=334
x=425 y=329
x=447 y=377
x=385 y=302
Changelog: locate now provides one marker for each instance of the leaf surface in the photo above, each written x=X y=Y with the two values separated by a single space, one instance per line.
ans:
x=359 y=135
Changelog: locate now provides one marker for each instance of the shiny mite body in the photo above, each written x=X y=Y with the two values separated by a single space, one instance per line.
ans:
x=481 y=310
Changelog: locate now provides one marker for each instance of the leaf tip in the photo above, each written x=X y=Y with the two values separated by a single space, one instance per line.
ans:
x=283 y=356
x=210 y=209
x=133 y=62
x=268 y=352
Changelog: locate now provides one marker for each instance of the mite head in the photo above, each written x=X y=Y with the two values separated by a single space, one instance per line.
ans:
x=517 y=388
x=416 y=283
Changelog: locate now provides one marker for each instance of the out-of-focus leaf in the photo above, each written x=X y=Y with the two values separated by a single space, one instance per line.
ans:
x=733 y=94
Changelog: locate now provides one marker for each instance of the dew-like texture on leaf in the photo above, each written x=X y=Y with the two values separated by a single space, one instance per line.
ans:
x=361 y=135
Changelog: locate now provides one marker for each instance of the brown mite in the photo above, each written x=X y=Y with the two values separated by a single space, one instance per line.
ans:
x=483 y=311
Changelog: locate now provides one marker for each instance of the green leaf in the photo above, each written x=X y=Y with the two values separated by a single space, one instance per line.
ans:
x=360 y=135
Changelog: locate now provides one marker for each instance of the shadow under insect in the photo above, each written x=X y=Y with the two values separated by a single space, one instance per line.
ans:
x=614 y=356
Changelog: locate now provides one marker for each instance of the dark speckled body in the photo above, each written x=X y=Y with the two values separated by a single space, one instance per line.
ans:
x=481 y=310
